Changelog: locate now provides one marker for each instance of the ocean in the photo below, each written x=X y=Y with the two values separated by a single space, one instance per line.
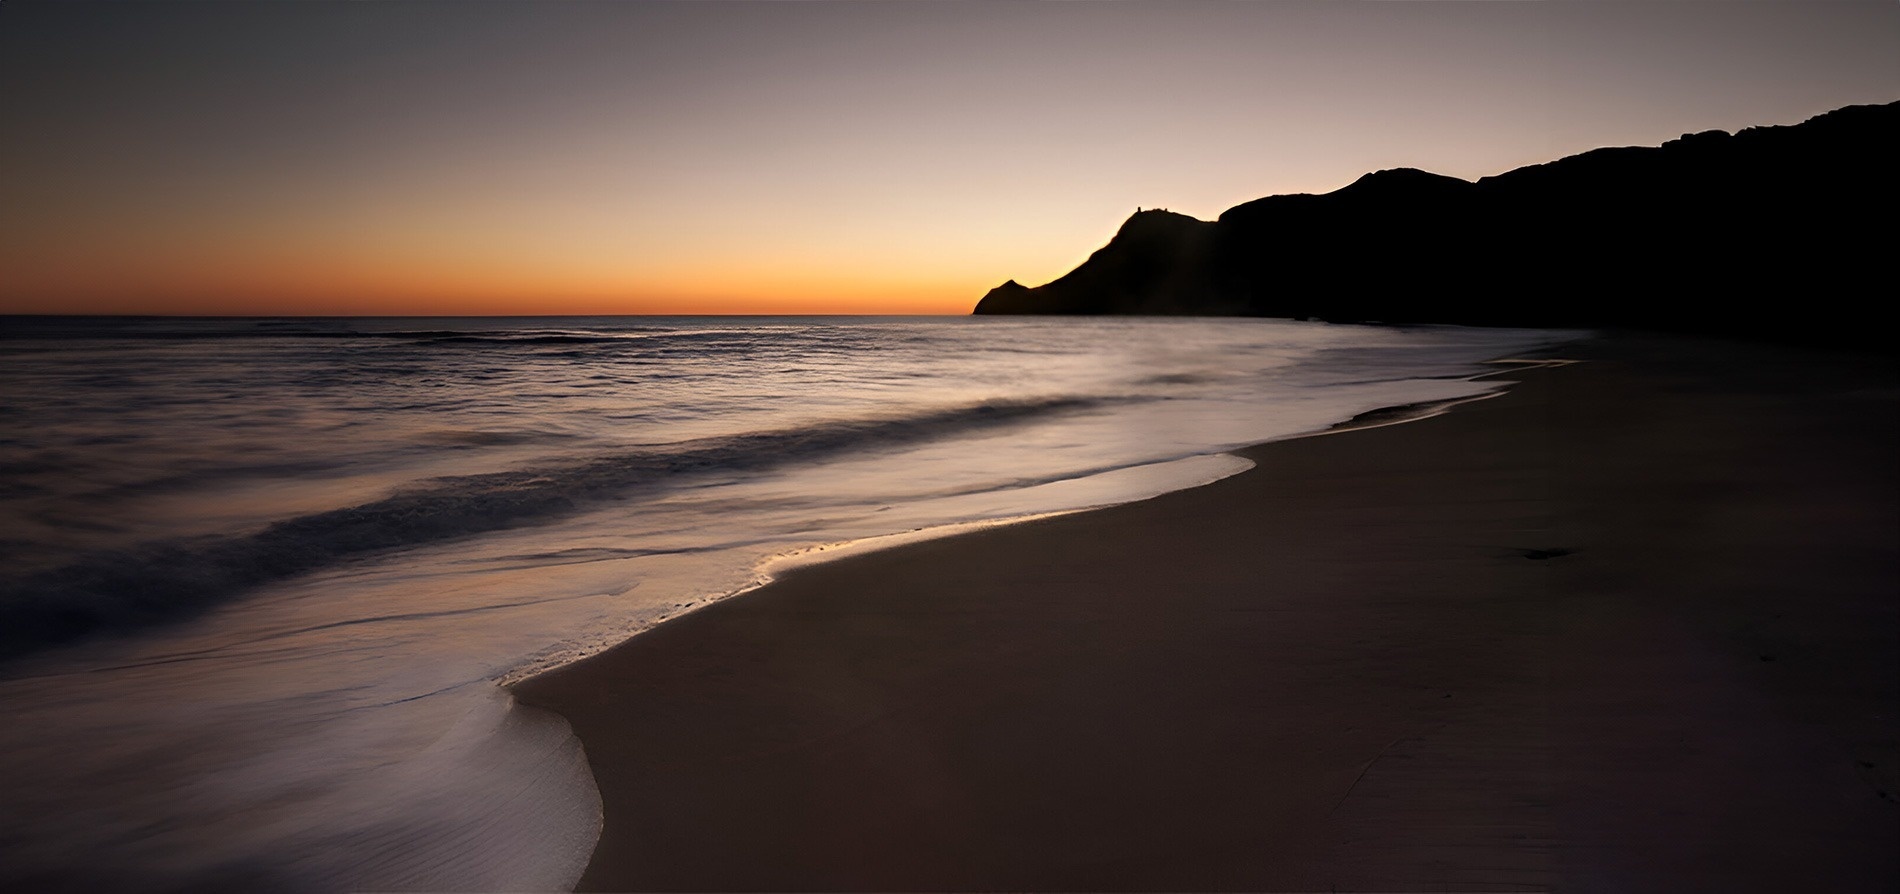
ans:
x=264 y=579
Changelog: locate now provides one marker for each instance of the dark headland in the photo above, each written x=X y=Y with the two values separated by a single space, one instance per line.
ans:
x=1685 y=237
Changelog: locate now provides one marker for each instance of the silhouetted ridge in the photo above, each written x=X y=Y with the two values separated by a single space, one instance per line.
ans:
x=1677 y=237
x=1157 y=259
x=1407 y=182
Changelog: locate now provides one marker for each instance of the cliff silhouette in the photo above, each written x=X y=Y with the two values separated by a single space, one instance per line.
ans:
x=1782 y=231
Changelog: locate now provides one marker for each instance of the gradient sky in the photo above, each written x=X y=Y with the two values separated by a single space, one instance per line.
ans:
x=466 y=157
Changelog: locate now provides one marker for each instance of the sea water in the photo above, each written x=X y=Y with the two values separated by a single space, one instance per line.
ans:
x=262 y=579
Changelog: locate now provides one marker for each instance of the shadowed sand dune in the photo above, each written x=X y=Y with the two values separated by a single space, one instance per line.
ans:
x=1630 y=626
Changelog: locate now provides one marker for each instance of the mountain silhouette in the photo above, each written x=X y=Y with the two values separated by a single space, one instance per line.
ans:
x=1781 y=231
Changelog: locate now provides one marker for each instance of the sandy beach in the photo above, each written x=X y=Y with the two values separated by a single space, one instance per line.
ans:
x=1630 y=626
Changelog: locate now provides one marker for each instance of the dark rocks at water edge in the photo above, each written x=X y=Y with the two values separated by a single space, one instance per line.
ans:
x=1782 y=231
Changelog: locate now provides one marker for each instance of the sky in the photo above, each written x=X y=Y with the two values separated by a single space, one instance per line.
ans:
x=793 y=157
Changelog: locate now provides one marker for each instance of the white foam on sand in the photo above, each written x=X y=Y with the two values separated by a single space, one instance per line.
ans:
x=1109 y=488
x=503 y=801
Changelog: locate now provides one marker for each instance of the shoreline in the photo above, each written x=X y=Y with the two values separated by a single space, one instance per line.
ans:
x=820 y=553
x=1339 y=680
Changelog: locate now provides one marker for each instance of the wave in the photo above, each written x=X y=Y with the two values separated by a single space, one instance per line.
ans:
x=656 y=341
x=521 y=339
x=87 y=328
x=155 y=582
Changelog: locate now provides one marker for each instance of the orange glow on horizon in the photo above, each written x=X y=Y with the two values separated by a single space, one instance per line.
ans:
x=313 y=291
x=504 y=260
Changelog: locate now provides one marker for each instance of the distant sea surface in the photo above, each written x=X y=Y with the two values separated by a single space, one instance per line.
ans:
x=259 y=579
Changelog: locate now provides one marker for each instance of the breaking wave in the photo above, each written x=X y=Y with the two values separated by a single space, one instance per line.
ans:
x=153 y=582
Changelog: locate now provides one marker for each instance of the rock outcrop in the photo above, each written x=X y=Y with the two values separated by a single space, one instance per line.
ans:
x=1773 y=230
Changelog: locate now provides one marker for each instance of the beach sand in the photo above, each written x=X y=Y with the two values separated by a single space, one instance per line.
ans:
x=1631 y=626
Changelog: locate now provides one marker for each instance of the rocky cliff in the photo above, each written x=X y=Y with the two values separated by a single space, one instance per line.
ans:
x=1687 y=236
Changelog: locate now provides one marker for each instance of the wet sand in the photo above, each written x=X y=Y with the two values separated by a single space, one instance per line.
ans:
x=1633 y=625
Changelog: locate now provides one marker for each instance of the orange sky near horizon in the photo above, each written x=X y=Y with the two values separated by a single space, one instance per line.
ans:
x=288 y=291
x=442 y=159
x=318 y=267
